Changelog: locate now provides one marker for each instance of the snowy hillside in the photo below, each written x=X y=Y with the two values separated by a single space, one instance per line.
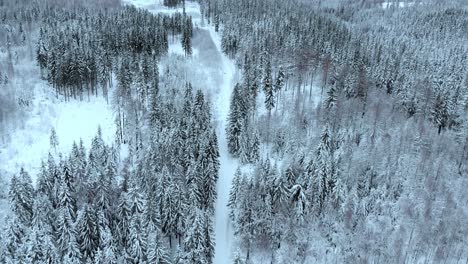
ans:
x=220 y=131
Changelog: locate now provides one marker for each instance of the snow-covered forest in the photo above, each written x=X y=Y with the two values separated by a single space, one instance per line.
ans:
x=220 y=131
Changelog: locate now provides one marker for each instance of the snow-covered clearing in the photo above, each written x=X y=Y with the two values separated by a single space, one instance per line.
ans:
x=156 y=6
x=72 y=120
x=222 y=74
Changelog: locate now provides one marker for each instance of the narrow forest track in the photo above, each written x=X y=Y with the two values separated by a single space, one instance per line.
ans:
x=228 y=165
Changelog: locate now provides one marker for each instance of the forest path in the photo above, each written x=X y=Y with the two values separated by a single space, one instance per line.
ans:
x=223 y=74
x=228 y=165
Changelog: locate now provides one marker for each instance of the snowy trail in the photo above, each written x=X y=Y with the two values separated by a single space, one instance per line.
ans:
x=223 y=232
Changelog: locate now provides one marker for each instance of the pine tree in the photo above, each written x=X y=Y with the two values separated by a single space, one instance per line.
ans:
x=280 y=191
x=244 y=225
x=234 y=194
x=245 y=146
x=267 y=84
x=41 y=52
x=322 y=169
x=194 y=240
x=255 y=148
x=299 y=202
x=103 y=195
x=279 y=82
x=187 y=36
x=21 y=195
x=440 y=113
x=54 y=140
x=209 y=245
x=87 y=232
x=330 y=101
x=43 y=214
x=72 y=253
x=168 y=204
x=123 y=221
x=49 y=250
x=65 y=197
x=235 y=121
x=156 y=252
x=108 y=254
x=32 y=248
x=152 y=217
x=66 y=237
x=268 y=88
x=208 y=165
x=15 y=234
x=137 y=244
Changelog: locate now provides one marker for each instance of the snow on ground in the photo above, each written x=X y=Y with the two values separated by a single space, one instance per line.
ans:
x=175 y=47
x=156 y=6
x=223 y=228
x=398 y=4
x=29 y=144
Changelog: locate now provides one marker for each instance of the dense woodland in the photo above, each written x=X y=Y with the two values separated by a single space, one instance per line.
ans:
x=92 y=205
x=350 y=122
x=376 y=171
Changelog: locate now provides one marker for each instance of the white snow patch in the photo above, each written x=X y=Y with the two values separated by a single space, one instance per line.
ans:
x=397 y=4
x=175 y=47
x=30 y=144
x=157 y=6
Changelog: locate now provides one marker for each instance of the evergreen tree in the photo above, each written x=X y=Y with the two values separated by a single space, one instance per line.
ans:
x=21 y=195
x=87 y=232
x=330 y=101
x=267 y=83
x=280 y=191
x=54 y=140
x=244 y=225
x=299 y=202
x=255 y=148
x=66 y=237
x=65 y=198
x=43 y=215
x=245 y=146
x=108 y=254
x=194 y=240
x=49 y=250
x=187 y=36
x=156 y=252
x=41 y=51
x=279 y=82
x=15 y=234
x=33 y=246
x=123 y=221
x=440 y=113
x=137 y=243
x=268 y=88
x=209 y=245
x=235 y=121
x=234 y=194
